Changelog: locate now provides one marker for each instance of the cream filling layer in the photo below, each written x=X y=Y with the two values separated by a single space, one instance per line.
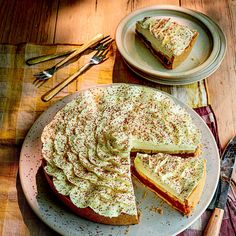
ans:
x=165 y=148
x=156 y=44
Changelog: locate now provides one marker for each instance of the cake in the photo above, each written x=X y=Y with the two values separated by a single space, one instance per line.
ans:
x=87 y=145
x=169 y=41
x=177 y=180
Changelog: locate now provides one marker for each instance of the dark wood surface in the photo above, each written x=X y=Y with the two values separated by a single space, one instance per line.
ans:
x=71 y=21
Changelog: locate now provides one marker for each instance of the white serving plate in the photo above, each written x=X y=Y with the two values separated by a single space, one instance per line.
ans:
x=208 y=51
x=54 y=214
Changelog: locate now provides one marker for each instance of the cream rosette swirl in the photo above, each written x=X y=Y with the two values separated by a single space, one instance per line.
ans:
x=87 y=145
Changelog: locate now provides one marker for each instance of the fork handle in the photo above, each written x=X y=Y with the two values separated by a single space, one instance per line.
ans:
x=36 y=60
x=51 y=93
x=85 y=46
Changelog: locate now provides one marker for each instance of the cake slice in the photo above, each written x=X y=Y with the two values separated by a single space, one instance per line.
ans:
x=178 y=181
x=169 y=41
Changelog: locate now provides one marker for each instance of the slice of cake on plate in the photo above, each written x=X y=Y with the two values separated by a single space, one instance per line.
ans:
x=168 y=40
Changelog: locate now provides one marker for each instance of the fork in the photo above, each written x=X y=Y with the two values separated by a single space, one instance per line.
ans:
x=42 y=76
x=100 y=56
x=43 y=58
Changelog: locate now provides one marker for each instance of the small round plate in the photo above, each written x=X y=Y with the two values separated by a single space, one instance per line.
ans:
x=210 y=46
x=62 y=220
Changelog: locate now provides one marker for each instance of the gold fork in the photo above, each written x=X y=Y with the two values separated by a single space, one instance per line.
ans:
x=100 y=56
x=44 y=75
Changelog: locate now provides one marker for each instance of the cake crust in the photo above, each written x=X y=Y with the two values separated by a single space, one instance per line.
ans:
x=171 y=200
x=185 y=206
x=90 y=214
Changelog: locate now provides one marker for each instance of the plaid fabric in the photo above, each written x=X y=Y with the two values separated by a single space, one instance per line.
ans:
x=208 y=116
x=228 y=226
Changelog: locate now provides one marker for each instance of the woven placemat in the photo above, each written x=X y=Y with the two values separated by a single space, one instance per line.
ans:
x=21 y=101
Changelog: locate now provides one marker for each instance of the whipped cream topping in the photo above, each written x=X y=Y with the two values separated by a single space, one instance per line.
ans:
x=88 y=143
x=174 y=38
x=177 y=175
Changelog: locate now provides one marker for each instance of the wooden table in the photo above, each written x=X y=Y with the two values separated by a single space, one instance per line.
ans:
x=71 y=21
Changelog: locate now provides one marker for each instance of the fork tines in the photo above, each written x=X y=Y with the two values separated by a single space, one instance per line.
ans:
x=42 y=77
x=102 y=53
x=100 y=56
x=105 y=39
x=104 y=43
x=39 y=82
x=104 y=48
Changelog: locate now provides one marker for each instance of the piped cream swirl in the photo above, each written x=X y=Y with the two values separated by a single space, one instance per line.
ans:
x=172 y=37
x=88 y=143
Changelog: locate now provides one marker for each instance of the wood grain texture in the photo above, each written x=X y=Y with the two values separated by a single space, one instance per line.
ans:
x=28 y=21
x=74 y=21
x=214 y=224
x=78 y=20
x=222 y=84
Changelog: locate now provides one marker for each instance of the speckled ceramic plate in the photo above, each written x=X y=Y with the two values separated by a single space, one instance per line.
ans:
x=208 y=51
x=62 y=220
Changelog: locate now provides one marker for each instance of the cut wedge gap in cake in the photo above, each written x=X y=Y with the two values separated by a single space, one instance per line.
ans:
x=148 y=147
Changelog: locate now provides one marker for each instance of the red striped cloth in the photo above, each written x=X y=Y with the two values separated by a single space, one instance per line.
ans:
x=228 y=227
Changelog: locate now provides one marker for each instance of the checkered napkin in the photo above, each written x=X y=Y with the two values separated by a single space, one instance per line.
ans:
x=20 y=101
x=228 y=227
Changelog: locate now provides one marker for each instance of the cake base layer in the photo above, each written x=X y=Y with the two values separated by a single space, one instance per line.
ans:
x=186 y=206
x=183 y=208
